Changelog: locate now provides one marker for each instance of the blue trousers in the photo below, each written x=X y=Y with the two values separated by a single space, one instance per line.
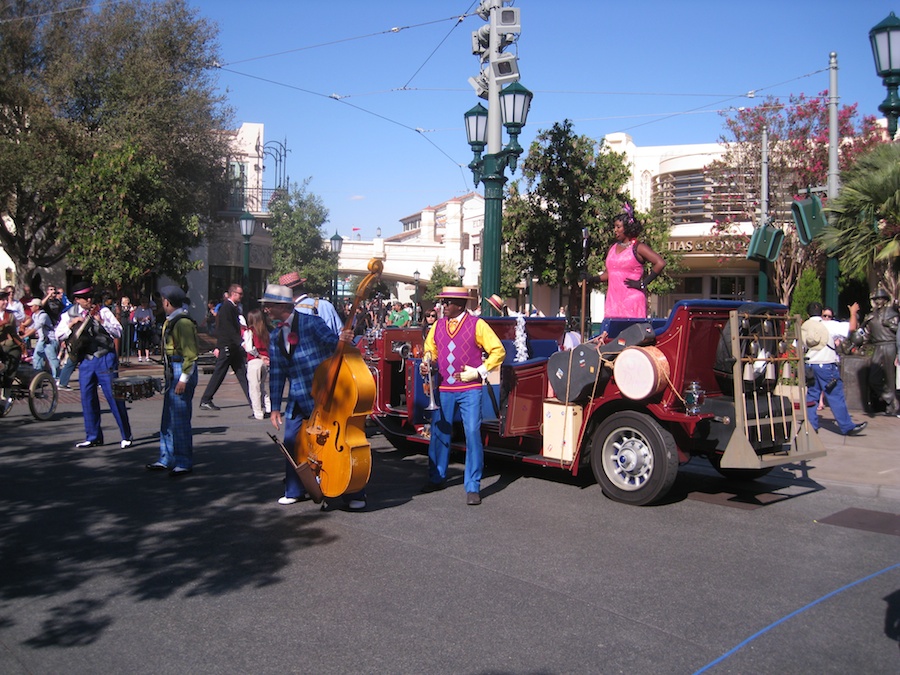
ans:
x=46 y=349
x=823 y=374
x=101 y=370
x=65 y=373
x=292 y=485
x=468 y=403
x=176 y=438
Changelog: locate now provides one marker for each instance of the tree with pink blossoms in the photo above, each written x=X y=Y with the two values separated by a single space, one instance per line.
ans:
x=798 y=159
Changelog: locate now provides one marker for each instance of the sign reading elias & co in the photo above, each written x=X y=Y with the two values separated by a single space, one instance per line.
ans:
x=709 y=245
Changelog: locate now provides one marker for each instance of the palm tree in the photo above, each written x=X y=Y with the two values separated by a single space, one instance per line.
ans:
x=864 y=220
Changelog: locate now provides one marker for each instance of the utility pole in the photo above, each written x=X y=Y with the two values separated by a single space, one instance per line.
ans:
x=832 y=269
x=502 y=68
x=763 y=277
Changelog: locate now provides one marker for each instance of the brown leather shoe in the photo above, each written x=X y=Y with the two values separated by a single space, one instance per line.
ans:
x=473 y=498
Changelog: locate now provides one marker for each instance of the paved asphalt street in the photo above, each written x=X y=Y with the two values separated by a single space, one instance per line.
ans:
x=106 y=568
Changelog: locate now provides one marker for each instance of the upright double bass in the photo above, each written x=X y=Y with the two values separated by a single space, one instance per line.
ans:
x=333 y=439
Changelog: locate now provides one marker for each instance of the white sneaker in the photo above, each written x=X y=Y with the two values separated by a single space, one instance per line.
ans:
x=126 y=443
x=356 y=504
x=287 y=501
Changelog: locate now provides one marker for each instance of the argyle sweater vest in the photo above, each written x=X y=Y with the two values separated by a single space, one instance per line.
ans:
x=457 y=350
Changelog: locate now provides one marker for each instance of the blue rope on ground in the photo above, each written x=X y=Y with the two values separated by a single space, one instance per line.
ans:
x=790 y=616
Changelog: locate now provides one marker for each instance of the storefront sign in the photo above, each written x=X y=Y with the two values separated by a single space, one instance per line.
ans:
x=709 y=245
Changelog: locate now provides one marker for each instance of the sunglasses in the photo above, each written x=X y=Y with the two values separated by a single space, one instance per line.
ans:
x=432 y=316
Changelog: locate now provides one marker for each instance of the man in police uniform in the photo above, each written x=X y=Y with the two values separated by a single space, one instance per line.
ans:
x=180 y=348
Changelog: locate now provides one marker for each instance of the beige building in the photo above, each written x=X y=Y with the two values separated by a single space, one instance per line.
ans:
x=671 y=177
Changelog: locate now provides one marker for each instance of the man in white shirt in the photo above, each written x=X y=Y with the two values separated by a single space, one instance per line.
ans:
x=305 y=304
x=92 y=330
x=821 y=358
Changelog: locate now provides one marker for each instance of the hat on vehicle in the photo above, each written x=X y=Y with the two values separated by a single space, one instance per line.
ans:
x=880 y=294
x=455 y=293
x=175 y=295
x=82 y=288
x=496 y=302
x=35 y=302
x=277 y=294
x=814 y=333
x=291 y=280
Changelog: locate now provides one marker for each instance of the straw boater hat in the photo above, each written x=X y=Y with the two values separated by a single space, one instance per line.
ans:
x=291 y=280
x=277 y=294
x=496 y=302
x=455 y=293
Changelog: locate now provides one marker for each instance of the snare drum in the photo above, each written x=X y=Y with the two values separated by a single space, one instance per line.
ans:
x=132 y=388
x=641 y=372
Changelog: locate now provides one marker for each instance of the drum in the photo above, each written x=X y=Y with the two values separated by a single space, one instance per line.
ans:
x=132 y=388
x=641 y=372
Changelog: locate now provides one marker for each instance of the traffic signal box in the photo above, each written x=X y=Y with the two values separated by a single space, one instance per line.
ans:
x=765 y=243
x=809 y=218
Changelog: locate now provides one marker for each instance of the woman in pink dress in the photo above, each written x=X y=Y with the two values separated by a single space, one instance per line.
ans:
x=626 y=294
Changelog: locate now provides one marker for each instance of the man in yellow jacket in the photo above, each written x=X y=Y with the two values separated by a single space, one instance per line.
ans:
x=456 y=343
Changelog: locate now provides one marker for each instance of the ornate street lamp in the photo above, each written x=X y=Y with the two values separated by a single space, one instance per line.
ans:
x=461 y=271
x=248 y=225
x=415 y=317
x=885 y=39
x=489 y=169
x=337 y=243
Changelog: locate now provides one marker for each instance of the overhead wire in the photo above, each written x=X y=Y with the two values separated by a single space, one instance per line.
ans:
x=340 y=98
x=659 y=117
x=54 y=12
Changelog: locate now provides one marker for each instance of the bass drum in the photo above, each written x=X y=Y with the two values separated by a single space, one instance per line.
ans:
x=641 y=372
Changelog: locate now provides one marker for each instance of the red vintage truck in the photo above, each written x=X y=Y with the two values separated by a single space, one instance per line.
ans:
x=709 y=381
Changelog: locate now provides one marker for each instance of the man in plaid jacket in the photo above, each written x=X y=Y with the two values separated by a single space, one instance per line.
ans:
x=296 y=348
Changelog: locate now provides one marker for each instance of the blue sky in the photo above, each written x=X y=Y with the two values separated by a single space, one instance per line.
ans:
x=394 y=141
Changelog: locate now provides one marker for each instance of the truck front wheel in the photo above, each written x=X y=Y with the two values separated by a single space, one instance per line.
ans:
x=633 y=458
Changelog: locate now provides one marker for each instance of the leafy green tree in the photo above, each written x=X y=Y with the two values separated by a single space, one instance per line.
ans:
x=298 y=243
x=864 y=221
x=133 y=209
x=798 y=158
x=81 y=91
x=809 y=289
x=442 y=274
x=571 y=182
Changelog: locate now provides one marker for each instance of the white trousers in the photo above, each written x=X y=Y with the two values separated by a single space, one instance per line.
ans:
x=258 y=379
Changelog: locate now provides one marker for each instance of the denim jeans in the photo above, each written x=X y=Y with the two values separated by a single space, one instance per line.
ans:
x=46 y=349
x=823 y=374
x=468 y=402
x=176 y=439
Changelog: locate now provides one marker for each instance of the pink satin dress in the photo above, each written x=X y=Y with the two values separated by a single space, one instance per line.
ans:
x=623 y=302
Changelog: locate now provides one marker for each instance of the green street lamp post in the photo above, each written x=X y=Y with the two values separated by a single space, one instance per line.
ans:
x=489 y=169
x=416 y=300
x=248 y=225
x=461 y=271
x=337 y=242
x=885 y=39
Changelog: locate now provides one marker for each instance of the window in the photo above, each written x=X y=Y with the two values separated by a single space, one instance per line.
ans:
x=682 y=197
x=728 y=288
